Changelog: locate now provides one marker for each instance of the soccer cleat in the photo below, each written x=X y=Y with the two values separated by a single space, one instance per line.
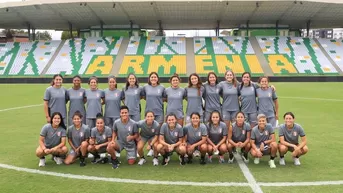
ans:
x=209 y=159
x=272 y=164
x=296 y=161
x=41 y=162
x=202 y=161
x=115 y=163
x=96 y=159
x=104 y=160
x=82 y=163
x=221 y=159
x=230 y=161
x=150 y=153
x=256 y=160
x=164 y=163
x=189 y=161
x=182 y=160
x=196 y=153
x=90 y=155
x=245 y=158
x=141 y=161
x=282 y=161
x=117 y=154
x=155 y=162
x=58 y=160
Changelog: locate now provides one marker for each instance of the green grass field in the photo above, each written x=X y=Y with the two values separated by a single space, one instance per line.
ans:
x=317 y=107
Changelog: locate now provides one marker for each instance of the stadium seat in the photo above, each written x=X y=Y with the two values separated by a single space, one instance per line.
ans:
x=334 y=48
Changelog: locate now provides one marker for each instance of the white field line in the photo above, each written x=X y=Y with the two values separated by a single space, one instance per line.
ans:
x=317 y=99
x=22 y=107
x=247 y=174
x=315 y=183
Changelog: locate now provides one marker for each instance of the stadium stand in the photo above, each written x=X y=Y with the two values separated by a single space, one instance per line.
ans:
x=219 y=54
x=294 y=55
x=334 y=48
x=165 y=55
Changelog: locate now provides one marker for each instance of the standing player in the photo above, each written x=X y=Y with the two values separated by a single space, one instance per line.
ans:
x=113 y=98
x=239 y=137
x=78 y=136
x=194 y=93
x=76 y=96
x=52 y=140
x=95 y=99
x=289 y=136
x=248 y=99
x=125 y=132
x=149 y=132
x=132 y=94
x=170 y=139
x=55 y=99
x=196 y=135
x=174 y=96
x=211 y=95
x=263 y=141
x=217 y=135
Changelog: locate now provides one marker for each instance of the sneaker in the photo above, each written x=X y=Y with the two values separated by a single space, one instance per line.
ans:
x=150 y=153
x=141 y=161
x=256 y=160
x=296 y=161
x=196 y=153
x=115 y=163
x=168 y=159
x=104 y=160
x=96 y=159
x=182 y=160
x=90 y=155
x=282 y=161
x=58 y=160
x=155 y=162
x=189 y=161
x=209 y=159
x=159 y=155
x=245 y=158
x=272 y=164
x=202 y=161
x=230 y=161
x=117 y=154
x=221 y=159
x=164 y=163
x=41 y=162
x=82 y=163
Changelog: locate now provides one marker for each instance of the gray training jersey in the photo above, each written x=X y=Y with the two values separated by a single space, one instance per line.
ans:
x=239 y=134
x=266 y=101
x=76 y=103
x=148 y=131
x=216 y=133
x=291 y=135
x=194 y=100
x=195 y=135
x=260 y=137
x=52 y=137
x=229 y=93
x=171 y=136
x=124 y=130
x=113 y=99
x=248 y=99
x=132 y=99
x=175 y=98
x=101 y=137
x=77 y=136
x=94 y=102
x=212 y=98
x=153 y=96
x=57 y=98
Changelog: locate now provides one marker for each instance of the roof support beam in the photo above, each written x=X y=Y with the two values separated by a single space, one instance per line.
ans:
x=277 y=28
x=71 y=30
x=29 y=30
x=160 y=29
x=218 y=27
x=247 y=28
x=308 y=25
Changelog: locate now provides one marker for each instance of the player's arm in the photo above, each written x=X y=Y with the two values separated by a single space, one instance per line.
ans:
x=230 y=137
x=303 y=142
x=247 y=140
x=271 y=139
x=284 y=142
x=162 y=141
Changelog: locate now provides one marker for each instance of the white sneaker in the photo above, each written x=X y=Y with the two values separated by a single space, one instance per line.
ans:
x=41 y=162
x=296 y=161
x=117 y=154
x=90 y=155
x=256 y=160
x=168 y=159
x=272 y=164
x=230 y=161
x=150 y=153
x=58 y=160
x=159 y=155
x=103 y=155
x=209 y=159
x=196 y=153
x=221 y=159
x=282 y=161
x=155 y=162
x=245 y=160
x=141 y=161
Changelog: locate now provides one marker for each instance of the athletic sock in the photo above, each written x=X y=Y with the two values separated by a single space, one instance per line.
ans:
x=42 y=157
x=282 y=156
x=231 y=155
x=297 y=156
x=272 y=157
x=143 y=157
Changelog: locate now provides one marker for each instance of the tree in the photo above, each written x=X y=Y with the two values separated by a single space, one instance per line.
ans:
x=45 y=35
x=66 y=35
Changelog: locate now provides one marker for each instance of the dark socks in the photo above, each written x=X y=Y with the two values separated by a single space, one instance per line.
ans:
x=272 y=157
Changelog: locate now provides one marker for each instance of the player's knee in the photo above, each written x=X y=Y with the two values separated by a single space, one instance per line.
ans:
x=159 y=147
x=209 y=148
x=64 y=150
x=304 y=150
x=273 y=145
x=203 y=147
x=222 y=148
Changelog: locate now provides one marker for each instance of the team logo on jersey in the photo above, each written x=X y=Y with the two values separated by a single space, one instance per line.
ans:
x=81 y=93
x=81 y=134
x=98 y=95
x=199 y=134
x=129 y=128
x=180 y=93
x=252 y=88
x=270 y=94
x=266 y=132
x=152 y=130
x=243 y=132
x=59 y=134
x=175 y=134
x=103 y=136
x=295 y=133
x=220 y=130
x=217 y=90
x=136 y=91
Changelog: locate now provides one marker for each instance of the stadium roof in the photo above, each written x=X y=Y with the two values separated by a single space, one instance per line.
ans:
x=173 y=14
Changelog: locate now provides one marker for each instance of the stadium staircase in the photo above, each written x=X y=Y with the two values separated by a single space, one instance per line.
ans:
x=333 y=50
x=120 y=56
x=190 y=57
x=53 y=57
x=259 y=54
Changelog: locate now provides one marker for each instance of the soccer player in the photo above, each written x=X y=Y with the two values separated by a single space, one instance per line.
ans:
x=78 y=136
x=211 y=95
x=52 y=140
x=132 y=94
x=263 y=141
x=94 y=98
x=153 y=94
x=217 y=135
x=289 y=135
x=76 y=96
x=196 y=135
x=174 y=96
x=55 y=99
x=229 y=92
x=113 y=98
x=267 y=101
x=170 y=139
x=194 y=93
x=101 y=136
x=125 y=131
x=149 y=132
x=248 y=99
x=239 y=137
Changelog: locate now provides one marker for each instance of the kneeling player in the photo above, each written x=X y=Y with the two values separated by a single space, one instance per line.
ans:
x=52 y=140
x=239 y=137
x=289 y=135
x=125 y=132
x=149 y=133
x=263 y=141
x=170 y=140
